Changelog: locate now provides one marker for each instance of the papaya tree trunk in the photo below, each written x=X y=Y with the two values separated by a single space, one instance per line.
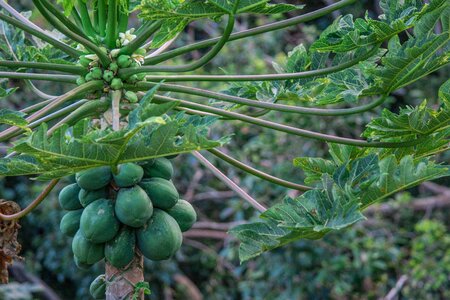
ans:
x=121 y=282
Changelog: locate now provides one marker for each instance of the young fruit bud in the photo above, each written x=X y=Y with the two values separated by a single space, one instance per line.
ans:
x=116 y=84
x=97 y=73
x=108 y=76
x=141 y=51
x=88 y=76
x=80 y=81
x=140 y=76
x=115 y=53
x=124 y=61
x=134 y=65
x=132 y=79
x=113 y=67
x=131 y=96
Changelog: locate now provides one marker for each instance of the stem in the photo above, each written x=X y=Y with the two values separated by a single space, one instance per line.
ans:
x=18 y=16
x=111 y=29
x=115 y=100
x=57 y=113
x=102 y=17
x=228 y=182
x=37 y=106
x=37 y=76
x=123 y=17
x=259 y=104
x=85 y=42
x=44 y=66
x=76 y=17
x=286 y=128
x=141 y=38
x=38 y=92
x=32 y=205
x=42 y=35
x=236 y=163
x=85 y=19
x=265 y=77
x=251 y=32
x=55 y=11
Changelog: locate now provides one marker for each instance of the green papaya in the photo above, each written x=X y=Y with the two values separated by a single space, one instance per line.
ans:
x=160 y=238
x=98 y=221
x=97 y=73
x=80 y=265
x=87 y=253
x=184 y=214
x=116 y=84
x=86 y=197
x=124 y=61
x=119 y=251
x=162 y=192
x=70 y=222
x=94 y=179
x=97 y=289
x=133 y=206
x=68 y=197
x=161 y=167
x=129 y=174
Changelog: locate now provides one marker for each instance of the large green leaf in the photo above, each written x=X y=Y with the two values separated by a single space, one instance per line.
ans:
x=13 y=118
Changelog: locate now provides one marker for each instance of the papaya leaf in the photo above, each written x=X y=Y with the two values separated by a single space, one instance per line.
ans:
x=13 y=118
x=336 y=204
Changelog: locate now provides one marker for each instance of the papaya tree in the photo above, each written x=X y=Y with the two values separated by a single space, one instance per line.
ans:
x=132 y=104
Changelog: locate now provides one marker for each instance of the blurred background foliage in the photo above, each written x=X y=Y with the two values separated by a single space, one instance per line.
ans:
x=401 y=251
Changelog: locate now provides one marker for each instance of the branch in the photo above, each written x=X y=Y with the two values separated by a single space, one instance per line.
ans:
x=37 y=76
x=255 y=103
x=216 y=226
x=228 y=182
x=397 y=288
x=32 y=205
x=115 y=100
x=246 y=168
x=251 y=32
x=285 y=128
x=209 y=234
x=44 y=66
x=41 y=35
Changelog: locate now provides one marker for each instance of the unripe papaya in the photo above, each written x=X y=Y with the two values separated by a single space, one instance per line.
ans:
x=119 y=251
x=70 y=222
x=160 y=238
x=98 y=221
x=85 y=251
x=141 y=51
x=68 y=197
x=132 y=79
x=81 y=80
x=162 y=192
x=184 y=214
x=160 y=167
x=108 y=76
x=84 y=61
x=113 y=67
x=124 y=61
x=88 y=77
x=131 y=96
x=116 y=84
x=97 y=73
x=133 y=206
x=94 y=179
x=86 y=197
x=97 y=289
x=80 y=265
x=129 y=174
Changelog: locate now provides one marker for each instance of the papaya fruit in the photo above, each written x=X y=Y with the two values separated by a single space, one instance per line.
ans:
x=116 y=84
x=160 y=167
x=86 y=253
x=119 y=251
x=160 y=238
x=80 y=265
x=133 y=206
x=68 y=197
x=86 y=197
x=129 y=174
x=184 y=214
x=70 y=222
x=98 y=221
x=94 y=179
x=97 y=289
x=162 y=192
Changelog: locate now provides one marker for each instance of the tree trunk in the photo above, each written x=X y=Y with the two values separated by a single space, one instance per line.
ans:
x=121 y=282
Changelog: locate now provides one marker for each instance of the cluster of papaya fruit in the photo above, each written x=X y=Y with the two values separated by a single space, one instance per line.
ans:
x=109 y=215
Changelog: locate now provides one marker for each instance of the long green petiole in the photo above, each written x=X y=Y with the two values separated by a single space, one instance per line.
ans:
x=286 y=128
x=259 y=104
x=85 y=19
x=36 y=76
x=101 y=10
x=85 y=42
x=111 y=28
x=266 y=77
x=141 y=38
x=43 y=66
x=251 y=32
x=41 y=35
x=236 y=163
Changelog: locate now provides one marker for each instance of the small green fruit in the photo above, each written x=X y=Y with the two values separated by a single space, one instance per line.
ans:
x=81 y=81
x=108 y=76
x=88 y=77
x=141 y=51
x=116 y=84
x=131 y=96
x=124 y=61
x=84 y=61
x=97 y=73
x=114 y=67
x=132 y=79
